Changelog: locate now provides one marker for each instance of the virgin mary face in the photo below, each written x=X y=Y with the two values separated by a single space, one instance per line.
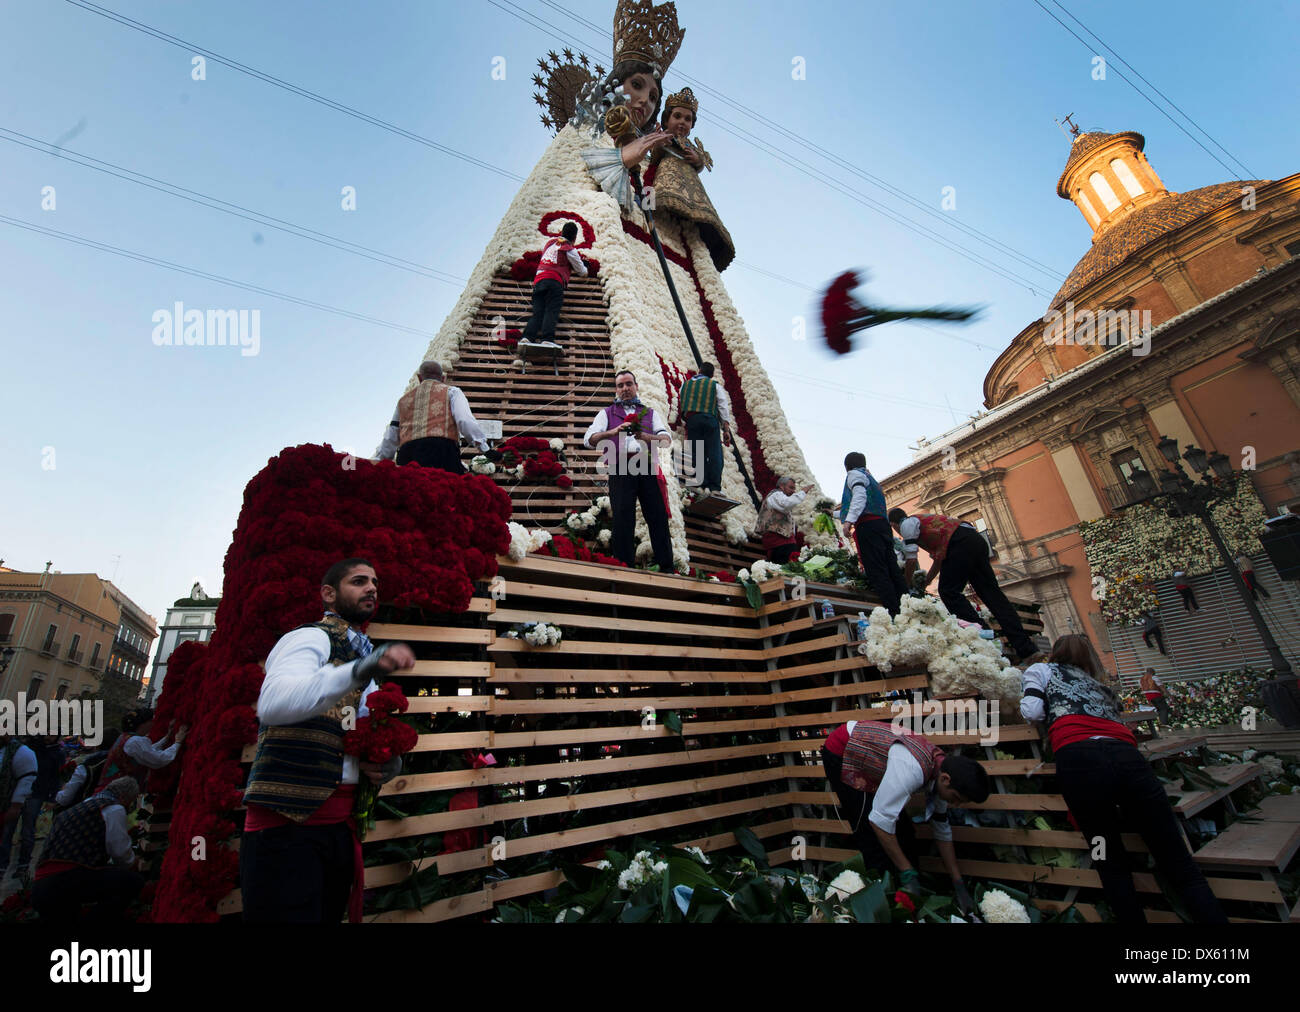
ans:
x=642 y=97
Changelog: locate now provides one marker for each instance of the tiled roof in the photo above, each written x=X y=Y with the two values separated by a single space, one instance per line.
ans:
x=1142 y=226
x=1084 y=144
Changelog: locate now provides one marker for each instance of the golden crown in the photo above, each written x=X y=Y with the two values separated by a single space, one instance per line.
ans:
x=648 y=33
x=684 y=98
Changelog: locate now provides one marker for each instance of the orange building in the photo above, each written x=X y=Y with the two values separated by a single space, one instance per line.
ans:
x=1182 y=320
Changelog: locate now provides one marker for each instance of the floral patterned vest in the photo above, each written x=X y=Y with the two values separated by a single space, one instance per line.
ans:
x=1071 y=692
x=774 y=521
x=298 y=766
x=425 y=412
x=936 y=532
x=867 y=753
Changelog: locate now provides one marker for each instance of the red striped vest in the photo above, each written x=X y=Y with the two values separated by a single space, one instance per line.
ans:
x=554 y=263
x=936 y=531
x=867 y=753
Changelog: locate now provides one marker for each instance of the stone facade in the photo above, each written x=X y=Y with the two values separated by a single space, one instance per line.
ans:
x=1069 y=420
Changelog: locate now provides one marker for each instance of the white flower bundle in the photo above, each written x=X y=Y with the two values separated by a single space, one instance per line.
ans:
x=998 y=908
x=959 y=660
x=763 y=570
x=844 y=885
x=523 y=541
x=642 y=869
x=481 y=465
x=557 y=445
x=539 y=634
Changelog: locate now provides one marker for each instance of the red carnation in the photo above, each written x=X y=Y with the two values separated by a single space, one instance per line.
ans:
x=905 y=901
x=838 y=312
x=564 y=482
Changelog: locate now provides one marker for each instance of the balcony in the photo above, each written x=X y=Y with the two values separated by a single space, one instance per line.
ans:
x=50 y=649
x=74 y=657
x=1120 y=495
x=6 y=638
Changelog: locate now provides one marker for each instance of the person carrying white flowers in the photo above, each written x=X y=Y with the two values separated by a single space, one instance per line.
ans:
x=862 y=510
x=776 y=523
x=428 y=424
x=958 y=552
x=619 y=431
x=875 y=768
x=1107 y=783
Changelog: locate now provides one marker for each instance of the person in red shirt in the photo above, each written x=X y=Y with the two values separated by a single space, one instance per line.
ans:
x=559 y=258
x=1107 y=783
x=1155 y=693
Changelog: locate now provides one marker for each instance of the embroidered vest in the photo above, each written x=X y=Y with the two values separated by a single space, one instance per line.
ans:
x=554 y=264
x=119 y=764
x=1071 y=692
x=875 y=506
x=867 y=753
x=298 y=766
x=78 y=834
x=936 y=532
x=774 y=521
x=426 y=412
x=699 y=394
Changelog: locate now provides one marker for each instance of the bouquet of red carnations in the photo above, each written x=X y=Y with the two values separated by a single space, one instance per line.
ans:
x=378 y=737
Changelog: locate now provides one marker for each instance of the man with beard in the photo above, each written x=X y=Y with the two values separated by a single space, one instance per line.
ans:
x=300 y=859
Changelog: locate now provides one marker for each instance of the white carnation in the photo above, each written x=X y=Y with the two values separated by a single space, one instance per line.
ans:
x=999 y=908
x=557 y=445
x=844 y=885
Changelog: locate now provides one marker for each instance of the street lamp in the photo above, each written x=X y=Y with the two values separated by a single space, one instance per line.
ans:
x=1186 y=497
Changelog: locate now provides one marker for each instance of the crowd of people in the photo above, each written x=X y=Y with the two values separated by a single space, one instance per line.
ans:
x=87 y=868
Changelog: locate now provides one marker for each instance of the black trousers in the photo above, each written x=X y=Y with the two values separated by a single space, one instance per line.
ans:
x=1109 y=787
x=624 y=491
x=1159 y=638
x=296 y=874
x=855 y=806
x=967 y=561
x=1189 y=599
x=59 y=898
x=432 y=451
x=548 y=297
x=704 y=432
x=1254 y=586
x=875 y=540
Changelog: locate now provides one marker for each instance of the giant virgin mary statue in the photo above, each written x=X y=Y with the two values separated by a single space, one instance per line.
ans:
x=593 y=173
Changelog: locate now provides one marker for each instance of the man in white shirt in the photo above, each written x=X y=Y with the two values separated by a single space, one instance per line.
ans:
x=628 y=435
x=428 y=424
x=88 y=859
x=17 y=776
x=776 y=524
x=298 y=856
x=134 y=753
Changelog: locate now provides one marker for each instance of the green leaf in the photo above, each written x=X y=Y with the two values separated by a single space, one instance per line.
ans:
x=753 y=901
x=752 y=594
x=752 y=845
x=708 y=904
x=673 y=721
x=869 y=905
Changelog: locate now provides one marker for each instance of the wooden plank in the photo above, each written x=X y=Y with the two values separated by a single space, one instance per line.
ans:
x=391 y=632
x=571 y=647
x=450 y=669
x=526 y=589
x=1231 y=777
x=1252 y=845
x=628 y=626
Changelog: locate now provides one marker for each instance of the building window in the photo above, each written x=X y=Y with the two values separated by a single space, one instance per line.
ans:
x=1102 y=188
x=1126 y=462
x=76 y=642
x=1125 y=175
x=6 y=627
x=94 y=655
x=1294 y=249
x=1088 y=212
x=34 y=687
x=49 y=637
x=63 y=690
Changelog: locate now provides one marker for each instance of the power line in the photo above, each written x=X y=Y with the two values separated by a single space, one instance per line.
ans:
x=206 y=276
x=812 y=172
x=1085 y=44
x=1155 y=89
x=842 y=162
x=292 y=88
x=226 y=207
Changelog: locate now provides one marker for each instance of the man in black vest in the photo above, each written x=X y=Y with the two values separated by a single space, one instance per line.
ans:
x=299 y=859
x=89 y=859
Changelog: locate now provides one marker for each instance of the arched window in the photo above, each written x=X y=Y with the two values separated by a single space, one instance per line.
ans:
x=1086 y=205
x=1103 y=190
x=1125 y=175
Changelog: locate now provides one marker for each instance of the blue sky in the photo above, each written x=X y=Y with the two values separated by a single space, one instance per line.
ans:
x=152 y=446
